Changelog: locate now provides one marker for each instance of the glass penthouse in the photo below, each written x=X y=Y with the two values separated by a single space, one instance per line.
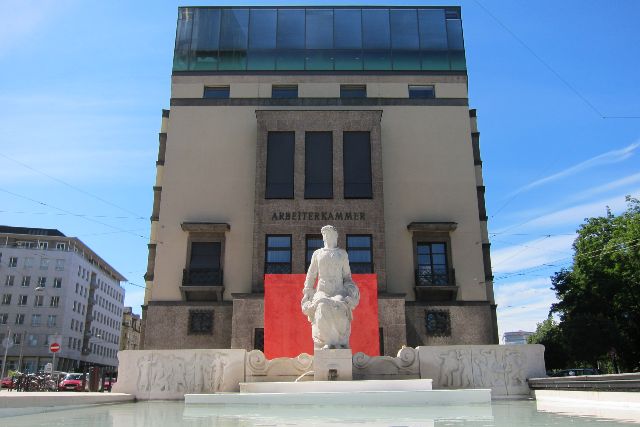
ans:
x=285 y=119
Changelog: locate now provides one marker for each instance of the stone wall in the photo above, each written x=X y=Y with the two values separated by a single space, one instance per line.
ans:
x=170 y=374
x=502 y=368
x=167 y=326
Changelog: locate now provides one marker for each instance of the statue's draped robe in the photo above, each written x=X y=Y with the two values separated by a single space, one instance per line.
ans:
x=330 y=304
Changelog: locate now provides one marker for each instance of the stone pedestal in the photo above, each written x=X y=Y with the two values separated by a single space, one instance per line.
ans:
x=336 y=362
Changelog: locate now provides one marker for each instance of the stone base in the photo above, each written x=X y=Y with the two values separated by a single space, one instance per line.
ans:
x=339 y=360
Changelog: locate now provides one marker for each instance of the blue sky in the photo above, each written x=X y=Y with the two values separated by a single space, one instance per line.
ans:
x=82 y=84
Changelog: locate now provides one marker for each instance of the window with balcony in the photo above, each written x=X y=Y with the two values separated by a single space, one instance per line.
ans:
x=278 y=254
x=280 y=161
x=204 y=264
x=360 y=253
x=432 y=268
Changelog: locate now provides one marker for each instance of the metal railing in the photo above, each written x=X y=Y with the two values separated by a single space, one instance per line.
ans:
x=429 y=278
x=202 y=277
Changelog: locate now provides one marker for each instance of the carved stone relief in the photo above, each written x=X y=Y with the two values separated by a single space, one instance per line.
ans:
x=258 y=368
x=404 y=366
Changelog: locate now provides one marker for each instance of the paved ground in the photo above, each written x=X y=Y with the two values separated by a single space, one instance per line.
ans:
x=13 y=399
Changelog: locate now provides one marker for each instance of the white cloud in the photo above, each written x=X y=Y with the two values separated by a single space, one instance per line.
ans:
x=610 y=157
x=531 y=254
x=622 y=182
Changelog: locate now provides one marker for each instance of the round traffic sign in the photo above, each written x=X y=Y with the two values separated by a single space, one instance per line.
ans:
x=54 y=347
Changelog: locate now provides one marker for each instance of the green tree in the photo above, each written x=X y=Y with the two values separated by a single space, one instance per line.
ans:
x=599 y=297
x=549 y=334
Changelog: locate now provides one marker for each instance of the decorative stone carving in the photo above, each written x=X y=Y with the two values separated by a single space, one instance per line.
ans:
x=404 y=366
x=170 y=374
x=259 y=369
x=503 y=369
x=329 y=306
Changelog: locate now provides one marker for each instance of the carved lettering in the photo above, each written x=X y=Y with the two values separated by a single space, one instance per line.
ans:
x=274 y=217
x=347 y=216
x=338 y=216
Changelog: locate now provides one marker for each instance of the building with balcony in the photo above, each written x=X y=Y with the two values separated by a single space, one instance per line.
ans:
x=55 y=288
x=285 y=119
x=130 y=332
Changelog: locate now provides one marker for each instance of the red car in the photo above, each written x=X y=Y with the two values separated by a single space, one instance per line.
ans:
x=7 y=383
x=71 y=382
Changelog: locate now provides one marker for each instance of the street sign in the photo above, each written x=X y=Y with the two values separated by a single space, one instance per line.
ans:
x=48 y=368
x=7 y=342
x=54 y=347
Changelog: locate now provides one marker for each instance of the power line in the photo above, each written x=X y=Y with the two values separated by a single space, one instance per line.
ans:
x=72 y=186
x=550 y=68
x=64 y=214
x=79 y=216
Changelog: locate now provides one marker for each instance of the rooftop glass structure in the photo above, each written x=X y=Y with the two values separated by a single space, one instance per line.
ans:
x=350 y=39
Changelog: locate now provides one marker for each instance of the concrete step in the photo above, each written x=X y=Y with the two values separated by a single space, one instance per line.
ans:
x=336 y=386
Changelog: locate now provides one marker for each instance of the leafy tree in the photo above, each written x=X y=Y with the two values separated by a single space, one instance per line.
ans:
x=599 y=298
x=549 y=334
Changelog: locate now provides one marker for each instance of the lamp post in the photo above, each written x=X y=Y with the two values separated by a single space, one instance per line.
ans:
x=7 y=342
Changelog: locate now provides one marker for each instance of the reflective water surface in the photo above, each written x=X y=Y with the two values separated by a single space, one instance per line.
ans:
x=160 y=414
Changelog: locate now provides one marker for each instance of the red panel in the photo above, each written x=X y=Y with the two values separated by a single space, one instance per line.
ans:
x=287 y=332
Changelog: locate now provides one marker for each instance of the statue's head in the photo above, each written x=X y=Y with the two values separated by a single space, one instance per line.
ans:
x=329 y=236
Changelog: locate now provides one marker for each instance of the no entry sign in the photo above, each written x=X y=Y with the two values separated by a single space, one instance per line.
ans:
x=54 y=347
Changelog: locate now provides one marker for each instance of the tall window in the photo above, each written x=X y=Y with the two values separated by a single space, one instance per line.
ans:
x=57 y=282
x=432 y=264
x=9 y=280
x=22 y=299
x=318 y=165
x=204 y=263
x=26 y=281
x=278 y=254
x=357 y=165
x=280 y=153
x=360 y=255
x=13 y=261
x=314 y=242
x=38 y=301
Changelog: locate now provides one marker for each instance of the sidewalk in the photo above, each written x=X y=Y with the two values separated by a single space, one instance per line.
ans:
x=17 y=403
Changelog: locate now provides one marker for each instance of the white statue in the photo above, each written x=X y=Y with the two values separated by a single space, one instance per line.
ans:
x=329 y=306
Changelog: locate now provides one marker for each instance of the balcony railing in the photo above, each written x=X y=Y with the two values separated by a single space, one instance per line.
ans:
x=202 y=277
x=429 y=278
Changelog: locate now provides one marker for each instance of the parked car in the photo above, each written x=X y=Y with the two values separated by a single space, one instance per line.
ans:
x=71 y=382
x=7 y=382
x=577 y=372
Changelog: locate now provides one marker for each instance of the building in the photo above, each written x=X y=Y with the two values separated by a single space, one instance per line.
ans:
x=285 y=119
x=55 y=288
x=517 y=337
x=130 y=332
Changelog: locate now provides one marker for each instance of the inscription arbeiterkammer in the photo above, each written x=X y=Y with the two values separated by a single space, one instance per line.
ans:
x=286 y=119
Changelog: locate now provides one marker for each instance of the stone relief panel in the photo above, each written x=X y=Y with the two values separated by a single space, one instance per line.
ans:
x=259 y=369
x=404 y=366
x=170 y=374
x=503 y=369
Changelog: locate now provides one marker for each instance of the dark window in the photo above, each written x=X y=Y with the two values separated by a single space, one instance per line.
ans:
x=284 y=91
x=262 y=30
x=280 y=152
x=234 y=29
x=360 y=255
x=291 y=28
x=347 y=29
x=375 y=28
x=318 y=165
x=432 y=29
x=204 y=264
x=205 y=38
x=314 y=242
x=353 y=91
x=357 y=165
x=200 y=321
x=381 y=338
x=404 y=29
x=258 y=339
x=319 y=31
x=422 y=91
x=432 y=264
x=438 y=323
x=219 y=92
x=278 y=254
